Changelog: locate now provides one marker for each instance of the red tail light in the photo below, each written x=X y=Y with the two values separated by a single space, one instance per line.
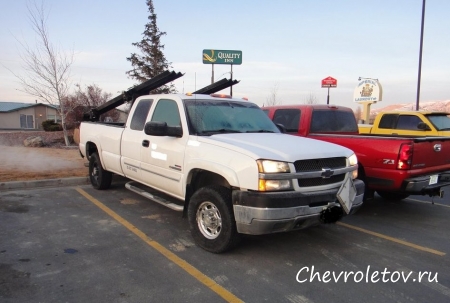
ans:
x=405 y=156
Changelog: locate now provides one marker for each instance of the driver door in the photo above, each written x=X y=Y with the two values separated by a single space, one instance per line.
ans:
x=162 y=158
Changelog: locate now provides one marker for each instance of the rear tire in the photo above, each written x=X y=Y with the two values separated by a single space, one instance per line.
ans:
x=392 y=195
x=211 y=219
x=100 y=178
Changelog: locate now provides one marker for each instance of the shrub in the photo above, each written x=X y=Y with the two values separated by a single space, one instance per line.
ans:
x=51 y=126
x=55 y=128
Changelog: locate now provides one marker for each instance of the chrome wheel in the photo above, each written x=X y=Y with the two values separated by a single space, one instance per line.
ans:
x=209 y=220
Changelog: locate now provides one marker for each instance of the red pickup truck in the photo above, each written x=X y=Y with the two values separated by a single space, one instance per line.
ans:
x=394 y=167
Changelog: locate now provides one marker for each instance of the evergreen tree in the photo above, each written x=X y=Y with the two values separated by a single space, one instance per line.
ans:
x=152 y=62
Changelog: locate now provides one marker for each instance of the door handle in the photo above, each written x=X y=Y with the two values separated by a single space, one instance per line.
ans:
x=145 y=143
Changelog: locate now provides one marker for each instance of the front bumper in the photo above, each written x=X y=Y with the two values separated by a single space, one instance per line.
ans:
x=259 y=213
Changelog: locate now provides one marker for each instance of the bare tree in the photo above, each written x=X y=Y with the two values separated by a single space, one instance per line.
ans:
x=272 y=98
x=82 y=101
x=47 y=68
x=311 y=99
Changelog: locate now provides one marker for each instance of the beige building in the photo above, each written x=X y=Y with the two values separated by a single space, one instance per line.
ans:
x=26 y=115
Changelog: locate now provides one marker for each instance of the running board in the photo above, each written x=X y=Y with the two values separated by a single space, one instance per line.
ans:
x=152 y=197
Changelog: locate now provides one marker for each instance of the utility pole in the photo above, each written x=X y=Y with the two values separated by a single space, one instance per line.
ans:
x=420 y=56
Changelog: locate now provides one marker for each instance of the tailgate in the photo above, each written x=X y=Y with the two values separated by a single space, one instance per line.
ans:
x=431 y=152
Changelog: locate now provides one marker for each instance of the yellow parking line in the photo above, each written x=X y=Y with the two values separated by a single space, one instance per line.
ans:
x=430 y=250
x=426 y=202
x=211 y=284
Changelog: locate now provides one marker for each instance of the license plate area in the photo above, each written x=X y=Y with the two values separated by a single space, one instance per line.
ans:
x=433 y=179
x=346 y=194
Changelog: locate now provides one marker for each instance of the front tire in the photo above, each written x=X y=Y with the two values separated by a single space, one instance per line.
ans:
x=211 y=219
x=392 y=195
x=100 y=178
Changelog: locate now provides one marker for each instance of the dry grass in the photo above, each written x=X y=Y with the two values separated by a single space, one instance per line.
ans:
x=20 y=163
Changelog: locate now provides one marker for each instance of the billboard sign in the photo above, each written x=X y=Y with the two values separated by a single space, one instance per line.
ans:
x=214 y=56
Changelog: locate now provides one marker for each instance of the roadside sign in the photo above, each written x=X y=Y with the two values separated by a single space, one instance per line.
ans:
x=368 y=90
x=329 y=82
x=214 y=56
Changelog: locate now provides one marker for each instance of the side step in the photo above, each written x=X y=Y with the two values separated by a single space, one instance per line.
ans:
x=158 y=199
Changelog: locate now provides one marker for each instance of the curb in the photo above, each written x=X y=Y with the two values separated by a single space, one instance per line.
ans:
x=13 y=185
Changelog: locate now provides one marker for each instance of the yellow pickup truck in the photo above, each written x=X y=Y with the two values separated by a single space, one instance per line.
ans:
x=409 y=123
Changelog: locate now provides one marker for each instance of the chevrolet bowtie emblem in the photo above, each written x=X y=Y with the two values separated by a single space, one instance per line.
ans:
x=327 y=172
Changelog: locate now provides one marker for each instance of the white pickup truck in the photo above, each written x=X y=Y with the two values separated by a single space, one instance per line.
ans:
x=225 y=164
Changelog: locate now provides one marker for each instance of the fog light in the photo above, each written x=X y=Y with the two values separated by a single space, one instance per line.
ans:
x=274 y=185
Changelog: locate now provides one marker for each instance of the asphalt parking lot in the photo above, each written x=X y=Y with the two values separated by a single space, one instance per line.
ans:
x=76 y=244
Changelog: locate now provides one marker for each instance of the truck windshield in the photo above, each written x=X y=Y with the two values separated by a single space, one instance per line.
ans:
x=441 y=122
x=209 y=117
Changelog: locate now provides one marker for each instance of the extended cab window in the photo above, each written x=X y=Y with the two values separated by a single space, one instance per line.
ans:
x=408 y=122
x=167 y=111
x=140 y=114
x=388 y=121
x=289 y=118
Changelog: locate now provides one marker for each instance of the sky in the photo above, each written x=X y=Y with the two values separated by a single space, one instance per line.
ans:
x=288 y=46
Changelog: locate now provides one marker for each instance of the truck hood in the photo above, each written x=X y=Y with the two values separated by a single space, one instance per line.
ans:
x=276 y=146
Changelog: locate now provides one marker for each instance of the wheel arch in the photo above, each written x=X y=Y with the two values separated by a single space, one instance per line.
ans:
x=91 y=148
x=199 y=178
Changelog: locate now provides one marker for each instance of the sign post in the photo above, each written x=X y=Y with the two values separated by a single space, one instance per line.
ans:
x=214 y=56
x=329 y=82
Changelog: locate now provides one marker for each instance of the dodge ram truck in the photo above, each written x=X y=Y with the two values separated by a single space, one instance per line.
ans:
x=394 y=167
x=409 y=123
x=224 y=164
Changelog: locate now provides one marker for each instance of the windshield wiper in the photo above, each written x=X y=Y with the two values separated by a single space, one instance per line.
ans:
x=260 y=131
x=219 y=131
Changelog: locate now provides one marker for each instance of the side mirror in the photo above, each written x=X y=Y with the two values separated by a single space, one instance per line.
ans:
x=423 y=126
x=160 y=129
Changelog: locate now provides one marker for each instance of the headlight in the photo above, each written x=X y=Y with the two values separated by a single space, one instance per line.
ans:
x=273 y=167
x=269 y=166
x=353 y=160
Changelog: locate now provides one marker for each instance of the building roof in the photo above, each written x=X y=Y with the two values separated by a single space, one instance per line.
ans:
x=6 y=107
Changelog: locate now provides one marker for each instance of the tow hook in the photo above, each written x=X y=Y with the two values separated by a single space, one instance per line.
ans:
x=435 y=193
x=331 y=214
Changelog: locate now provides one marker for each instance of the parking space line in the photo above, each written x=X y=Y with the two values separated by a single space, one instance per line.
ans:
x=211 y=284
x=426 y=202
x=412 y=245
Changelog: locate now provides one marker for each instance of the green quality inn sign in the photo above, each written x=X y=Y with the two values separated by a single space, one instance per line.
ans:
x=214 y=56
